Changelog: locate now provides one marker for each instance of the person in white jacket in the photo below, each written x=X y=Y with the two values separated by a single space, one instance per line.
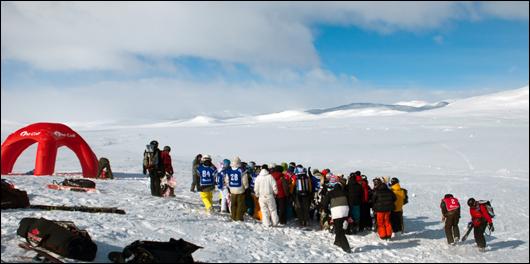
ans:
x=265 y=189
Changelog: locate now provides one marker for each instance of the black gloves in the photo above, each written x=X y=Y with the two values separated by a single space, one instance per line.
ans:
x=490 y=225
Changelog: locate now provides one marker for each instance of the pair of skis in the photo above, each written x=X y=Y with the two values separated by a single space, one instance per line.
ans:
x=42 y=255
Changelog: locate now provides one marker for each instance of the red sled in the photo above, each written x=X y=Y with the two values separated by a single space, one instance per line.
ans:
x=71 y=188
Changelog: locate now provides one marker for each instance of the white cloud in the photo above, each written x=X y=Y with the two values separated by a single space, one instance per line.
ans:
x=264 y=36
x=439 y=39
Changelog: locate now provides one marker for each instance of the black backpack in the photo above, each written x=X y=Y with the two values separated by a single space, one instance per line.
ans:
x=406 y=200
x=12 y=197
x=84 y=183
x=61 y=237
x=174 y=251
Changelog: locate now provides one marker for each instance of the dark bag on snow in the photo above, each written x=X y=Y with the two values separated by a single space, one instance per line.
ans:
x=174 y=251
x=61 y=237
x=79 y=183
x=12 y=197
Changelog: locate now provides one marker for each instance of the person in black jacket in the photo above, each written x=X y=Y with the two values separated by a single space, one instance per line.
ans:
x=154 y=165
x=355 y=193
x=383 y=202
x=337 y=200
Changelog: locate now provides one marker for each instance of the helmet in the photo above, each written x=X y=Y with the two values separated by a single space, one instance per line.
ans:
x=394 y=181
x=471 y=202
x=206 y=157
x=448 y=196
x=167 y=148
x=226 y=163
x=154 y=143
x=252 y=164
x=236 y=162
x=357 y=173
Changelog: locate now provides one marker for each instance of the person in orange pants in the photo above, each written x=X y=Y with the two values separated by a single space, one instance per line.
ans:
x=384 y=228
x=383 y=200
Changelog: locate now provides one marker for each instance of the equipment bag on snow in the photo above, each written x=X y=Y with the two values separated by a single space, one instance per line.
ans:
x=61 y=237
x=488 y=206
x=174 y=251
x=12 y=197
x=83 y=183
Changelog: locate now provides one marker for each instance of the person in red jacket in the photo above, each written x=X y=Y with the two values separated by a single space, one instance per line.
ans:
x=168 y=170
x=481 y=219
x=283 y=190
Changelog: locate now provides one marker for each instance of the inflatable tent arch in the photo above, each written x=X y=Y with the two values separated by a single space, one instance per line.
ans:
x=50 y=137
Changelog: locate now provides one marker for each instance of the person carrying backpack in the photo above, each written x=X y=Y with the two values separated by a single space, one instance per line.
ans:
x=451 y=215
x=481 y=218
x=396 y=216
x=302 y=194
x=207 y=174
x=154 y=165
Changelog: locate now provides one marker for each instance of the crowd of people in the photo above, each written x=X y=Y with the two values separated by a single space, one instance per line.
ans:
x=278 y=193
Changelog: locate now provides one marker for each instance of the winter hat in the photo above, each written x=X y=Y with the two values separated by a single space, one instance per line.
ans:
x=206 y=157
x=236 y=161
x=167 y=148
x=333 y=179
x=315 y=171
x=448 y=196
x=325 y=172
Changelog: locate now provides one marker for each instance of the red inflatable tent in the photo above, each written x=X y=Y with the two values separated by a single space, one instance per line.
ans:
x=50 y=137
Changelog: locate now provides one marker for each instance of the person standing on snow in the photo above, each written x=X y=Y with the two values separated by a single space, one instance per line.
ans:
x=481 y=219
x=366 y=204
x=194 y=175
x=154 y=165
x=355 y=193
x=237 y=183
x=451 y=215
x=396 y=216
x=283 y=191
x=336 y=199
x=168 y=172
x=265 y=189
x=383 y=200
x=222 y=186
x=206 y=184
x=302 y=194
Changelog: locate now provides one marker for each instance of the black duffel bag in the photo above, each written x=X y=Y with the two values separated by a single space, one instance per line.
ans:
x=79 y=183
x=61 y=237
x=13 y=198
x=174 y=251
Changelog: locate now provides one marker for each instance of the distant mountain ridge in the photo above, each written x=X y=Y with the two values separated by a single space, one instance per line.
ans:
x=402 y=108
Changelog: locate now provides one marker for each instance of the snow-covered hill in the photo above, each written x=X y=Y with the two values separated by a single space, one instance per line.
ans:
x=476 y=147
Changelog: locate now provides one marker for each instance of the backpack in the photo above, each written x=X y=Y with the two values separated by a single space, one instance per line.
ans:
x=488 y=206
x=83 y=183
x=174 y=251
x=406 y=200
x=12 y=197
x=149 y=157
x=61 y=237
x=303 y=184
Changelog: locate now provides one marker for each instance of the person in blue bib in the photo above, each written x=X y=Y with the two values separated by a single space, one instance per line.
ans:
x=207 y=174
x=237 y=184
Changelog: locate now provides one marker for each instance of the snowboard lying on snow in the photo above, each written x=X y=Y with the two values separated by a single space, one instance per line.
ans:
x=42 y=255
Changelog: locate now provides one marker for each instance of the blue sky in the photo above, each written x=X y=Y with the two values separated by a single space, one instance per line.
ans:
x=301 y=55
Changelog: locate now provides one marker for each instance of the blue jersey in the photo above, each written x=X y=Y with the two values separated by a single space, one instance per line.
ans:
x=207 y=175
x=252 y=179
x=220 y=179
x=235 y=177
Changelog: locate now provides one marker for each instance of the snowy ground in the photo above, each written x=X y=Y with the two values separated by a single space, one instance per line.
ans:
x=476 y=147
